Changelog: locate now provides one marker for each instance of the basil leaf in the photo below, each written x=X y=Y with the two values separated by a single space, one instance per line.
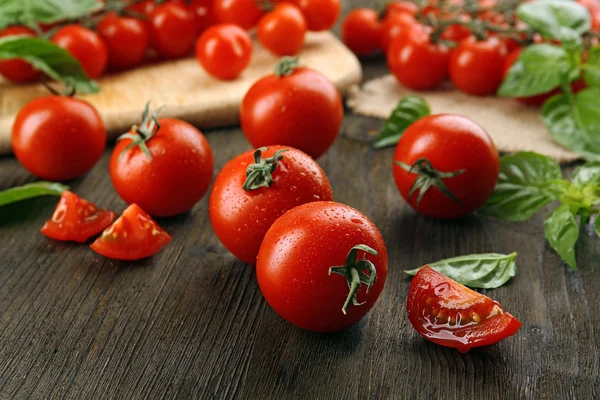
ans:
x=548 y=16
x=562 y=233
x=483 y=271
x=56 y=62
x=539 y=69
x=32 y=12
x=31 y=190
x=591 y=69
x=527 y=182
x=597 y=225
x=408 y=110
x=587 y=174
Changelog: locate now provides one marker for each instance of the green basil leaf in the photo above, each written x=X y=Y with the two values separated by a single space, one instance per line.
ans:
x=587 y=174
x=408 y=110
x=591 y=68
x=548 y=16
x=482 y=271
x=30 y=190
x=539 y=69
x=31 y=12
x=597 y=225
x=527 y=182
x=562 y=233
x=56 y=62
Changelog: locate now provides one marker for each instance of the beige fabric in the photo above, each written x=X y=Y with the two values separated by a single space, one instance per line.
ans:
x=185 y=89
x=513 y=127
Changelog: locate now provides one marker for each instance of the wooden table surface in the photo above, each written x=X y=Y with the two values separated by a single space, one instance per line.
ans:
x=191 y=322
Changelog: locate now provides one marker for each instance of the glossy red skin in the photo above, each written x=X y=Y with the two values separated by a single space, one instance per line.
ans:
x=172 y=30
x=294 y=260
x=476 y=67
x=85 y=46
x=243 y=13
x=416 y=62
x=203 y=14
x=143 y=7
x=282 y=31
x=58 y=138
x=126 y=38
x=401 y=7
x=241 y=218
x=450 y=143
x=431 y=293
x=534 y=101
x=132 y=237
x=395 y=25
x=76 y=219
x=224 y=51
x=456 y=33
x=361 y=31
x=320 y=15
x=174 y=180
x=18 y=71
x=302 y=110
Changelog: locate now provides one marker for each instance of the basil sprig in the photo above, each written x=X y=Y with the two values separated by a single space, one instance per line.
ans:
x=34 y=12
x=408 y=110
x=31 y=190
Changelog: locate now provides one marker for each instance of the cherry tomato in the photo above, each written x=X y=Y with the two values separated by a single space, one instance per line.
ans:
x=126 y=38
x=456 y=33
x=361 y=31
x=58 y=138
x=416 y=62
x=310 y=257
x=295 y=107
x=401 y=7
x=224 y=51
x=476 y=66
x=456 y=161
x=172 y=30
x=534 y=101
x=447 y=313
x=85 y=46
x=76 y=219
x=143 y=7
x=203 y=14
x=172 y=176
x=282 y=30
x=243 y=207
x=18 y=71
x=396 y=25
x=243 y=13
x=132 y=237
x=320 y=14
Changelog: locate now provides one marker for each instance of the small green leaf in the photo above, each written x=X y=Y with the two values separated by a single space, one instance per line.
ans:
x=408 y=110
x=562 y=233
x=587 y=174
x=31 y=190
x=549 y=16
x=31 y=12
x=483 y=271
x=591 y=68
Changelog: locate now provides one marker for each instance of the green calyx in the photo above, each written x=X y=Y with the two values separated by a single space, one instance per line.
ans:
x=286 y=66
x=260 y=173
x=427 y=177
x=354 y=273
x=143 y=132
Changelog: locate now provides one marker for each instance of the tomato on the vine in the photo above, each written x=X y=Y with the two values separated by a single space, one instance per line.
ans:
x=282 y=30
x=295 y=106
x=322 y=266
x=85 y=46
x=18 y=71
x=395 y=25
x=446 y=166
x=58 y=138
x=401 y=7
x=126 y=38
x=447 y=313
x=172 y=30
x=164 y=165
x=361 y=31
x=320 y=15
x=256 y=188
x=224 y=51
x=243 y=13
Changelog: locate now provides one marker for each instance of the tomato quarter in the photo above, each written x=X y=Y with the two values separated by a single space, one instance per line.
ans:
x=224 y=51
x=85 y=46
x=18 y=71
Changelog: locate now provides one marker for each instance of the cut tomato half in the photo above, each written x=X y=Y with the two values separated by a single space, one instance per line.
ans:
x=133 y=236
x=76 y=219
x=450 y=314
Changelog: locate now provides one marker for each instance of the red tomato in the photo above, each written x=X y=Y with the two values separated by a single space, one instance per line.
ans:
x=76 y=219
x=416 y=62
x=58 y=138
x=361 y=31
x=224 y=51
x=476 y=66
x=320 y=14
x=144 y=7
x=172 y=30
x=298 y=107
x=133 y=236
x=176 y=174
x=447 y=313
x=534 y=101
x=593 y=6
x=18 y=71
x=306 y=264
x=242 y=208
x=282 y=30
x=401 y=7
x=85 y=46
x=456 y=33
x=126 y=38
x=396 y=25
x=203 y=14
x=457 y=156
x=243 y=13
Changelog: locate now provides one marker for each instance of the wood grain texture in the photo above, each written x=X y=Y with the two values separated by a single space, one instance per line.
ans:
x=191 y=321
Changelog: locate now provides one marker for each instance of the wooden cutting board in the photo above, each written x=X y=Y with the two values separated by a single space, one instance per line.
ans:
x=185 y=90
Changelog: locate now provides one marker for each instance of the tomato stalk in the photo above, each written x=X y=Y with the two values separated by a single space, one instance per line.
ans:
x=143 y=132
x=260 y=173
x=286 y=66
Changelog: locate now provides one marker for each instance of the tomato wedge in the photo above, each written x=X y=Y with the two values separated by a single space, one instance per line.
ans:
x=76 y=219
x=450 y=314
x=133 y=236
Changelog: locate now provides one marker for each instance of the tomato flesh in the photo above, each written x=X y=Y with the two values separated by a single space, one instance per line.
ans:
x=76 y=219
x=133 y=236
x=447 y=313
